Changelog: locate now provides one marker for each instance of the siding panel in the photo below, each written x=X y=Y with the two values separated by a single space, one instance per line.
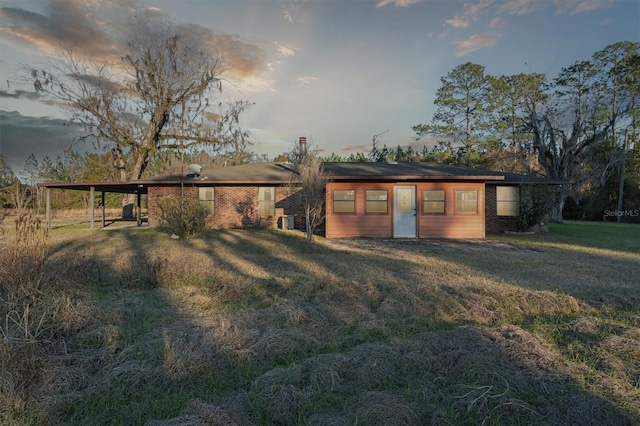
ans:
x=341 y=225
x=452 y=224
x=448 y=225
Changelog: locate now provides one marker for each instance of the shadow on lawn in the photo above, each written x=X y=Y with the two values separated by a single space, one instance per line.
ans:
x=257 y=327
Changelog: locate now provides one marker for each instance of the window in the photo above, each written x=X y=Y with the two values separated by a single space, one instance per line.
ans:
x=433 y=201
x=344 y=201
x=266 y=201
x=508 y=200
x=376 y=201
x=466 y=201
x=206 y=198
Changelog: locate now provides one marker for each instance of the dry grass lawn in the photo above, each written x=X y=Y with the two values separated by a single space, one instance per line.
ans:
x=255 y=327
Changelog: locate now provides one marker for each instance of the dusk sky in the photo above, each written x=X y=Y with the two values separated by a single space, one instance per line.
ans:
x=337 y=72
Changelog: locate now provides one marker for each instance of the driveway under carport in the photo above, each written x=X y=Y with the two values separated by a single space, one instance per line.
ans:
x=103 y=187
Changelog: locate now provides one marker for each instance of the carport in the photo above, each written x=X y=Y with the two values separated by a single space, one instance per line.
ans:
x=135 y=188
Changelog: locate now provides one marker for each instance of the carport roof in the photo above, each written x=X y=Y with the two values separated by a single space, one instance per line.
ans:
x=116 y=187
x=280 y=173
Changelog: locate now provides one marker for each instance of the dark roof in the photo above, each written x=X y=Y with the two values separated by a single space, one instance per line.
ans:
x=417 y=171
x=406 y=171
x=254 y=173
x=280 y=173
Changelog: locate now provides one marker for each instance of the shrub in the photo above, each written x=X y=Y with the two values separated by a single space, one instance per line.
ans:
x=182 y=216
x=535 y=202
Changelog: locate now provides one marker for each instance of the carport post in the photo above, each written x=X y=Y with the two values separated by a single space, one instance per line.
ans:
x=48 y=207
x=138 y=209
x=92 y=193
x=103 y=223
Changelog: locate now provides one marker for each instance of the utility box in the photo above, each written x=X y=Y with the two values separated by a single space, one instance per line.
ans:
x=286 y=221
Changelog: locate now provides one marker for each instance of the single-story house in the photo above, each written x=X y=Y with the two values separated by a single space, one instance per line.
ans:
x=383 y=200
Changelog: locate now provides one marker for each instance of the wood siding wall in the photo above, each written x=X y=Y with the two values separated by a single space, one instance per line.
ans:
x=451 y=224
x=359 y=223
x=447 y=225
x=234 y=206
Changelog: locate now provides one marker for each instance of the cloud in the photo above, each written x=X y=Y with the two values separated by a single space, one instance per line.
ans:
x=397 y=3
x=22 y=135
x=521 y=7
x=591 y=5
x=471 y=14
x=306 y=79
x=496 y=23
x=79 y=25
x=213 y=116
x=292 y=12
x=28 y=95
x=286 y=14
x=573 y=7
x=475 y=42
x=356 y=148
x=457 y=22
x=20 y=94
x=284 y=50
x=242 y=60
x=64 y=22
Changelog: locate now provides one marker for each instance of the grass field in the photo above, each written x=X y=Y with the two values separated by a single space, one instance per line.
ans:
x=255 y=327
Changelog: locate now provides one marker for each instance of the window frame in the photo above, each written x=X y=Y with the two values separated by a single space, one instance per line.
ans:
x=512 y=203
x=208 y=203
x=367 y=201
x=264 y=204
x=344 y=201
x=443 y=201
x=459 y=202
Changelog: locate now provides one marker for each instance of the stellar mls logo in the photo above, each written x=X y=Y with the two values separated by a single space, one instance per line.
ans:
x=622 y=213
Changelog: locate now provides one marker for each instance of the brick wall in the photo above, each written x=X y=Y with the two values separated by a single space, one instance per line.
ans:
x=235 y=206
x=495 y=223
x=156 y=193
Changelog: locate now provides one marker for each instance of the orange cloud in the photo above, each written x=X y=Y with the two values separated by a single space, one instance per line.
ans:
x=76 y=25
x=65 y=22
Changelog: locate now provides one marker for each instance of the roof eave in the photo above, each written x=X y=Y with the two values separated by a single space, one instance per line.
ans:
x=419 y=178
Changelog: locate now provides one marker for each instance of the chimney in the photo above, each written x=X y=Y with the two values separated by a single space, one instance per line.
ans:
x=303 y=143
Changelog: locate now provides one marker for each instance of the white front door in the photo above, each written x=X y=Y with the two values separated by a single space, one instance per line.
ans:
x=404 y=212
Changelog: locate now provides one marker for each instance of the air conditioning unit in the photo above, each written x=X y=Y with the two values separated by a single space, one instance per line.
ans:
x=285 y=222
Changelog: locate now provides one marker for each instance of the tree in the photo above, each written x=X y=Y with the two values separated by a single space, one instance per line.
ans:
x=461 y=116
x=358 y=157
x=511 y=97
x=155 y=99
x=616 y=63
x=441 y=153
x=375 y=153
x=309 y=184
x=565 y=129
x=31 y=176
x=333 y=158
x=7 y=182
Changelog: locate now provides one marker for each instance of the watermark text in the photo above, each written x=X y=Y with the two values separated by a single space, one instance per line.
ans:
x=622 y=213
